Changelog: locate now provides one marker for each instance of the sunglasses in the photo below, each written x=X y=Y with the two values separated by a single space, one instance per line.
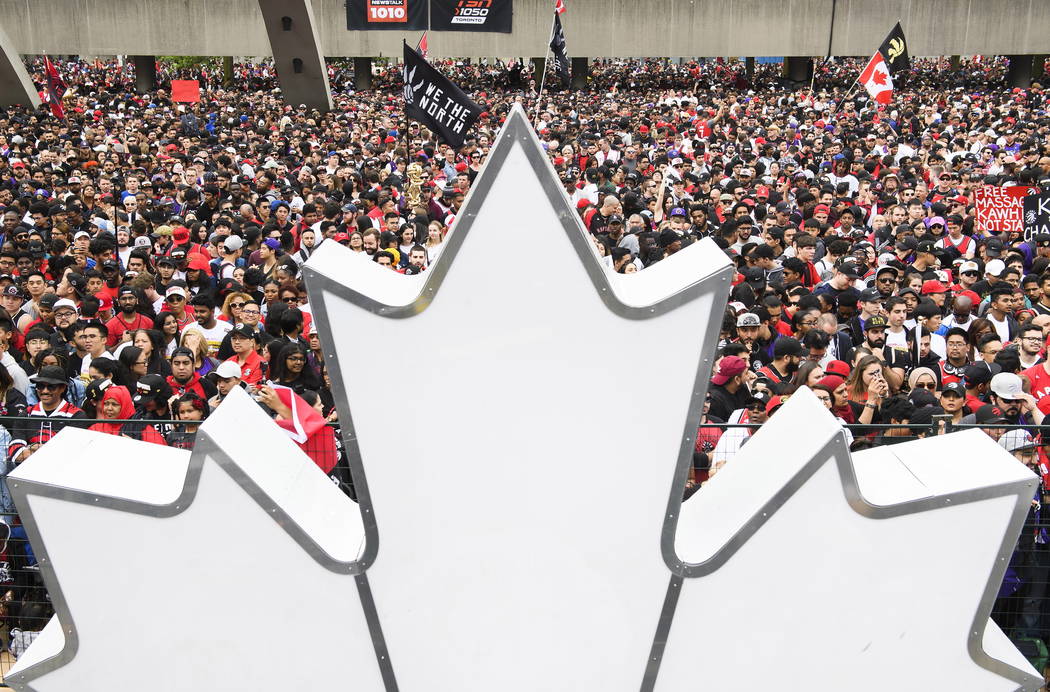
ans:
x=237 y=305
x=174 y=299
x=927 y=385
x=48 y=386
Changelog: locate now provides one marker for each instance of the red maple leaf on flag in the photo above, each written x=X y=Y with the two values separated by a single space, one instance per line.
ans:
x=879 y=78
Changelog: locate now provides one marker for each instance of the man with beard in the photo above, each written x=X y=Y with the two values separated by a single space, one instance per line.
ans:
x=787 y=354
x=127 y=319
x=1018 y=406
x=729 y=390
x=898 y=360
x=748 y=326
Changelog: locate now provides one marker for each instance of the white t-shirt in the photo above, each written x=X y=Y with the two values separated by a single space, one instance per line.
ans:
x=214 y=335
x=898 y=339
x=1001 y=328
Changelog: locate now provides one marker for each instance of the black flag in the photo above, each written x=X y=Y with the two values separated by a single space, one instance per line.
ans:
x=436 y=102
x=895 y=51
x=561 y=62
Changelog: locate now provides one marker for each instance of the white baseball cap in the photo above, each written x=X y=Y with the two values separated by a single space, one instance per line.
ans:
x=1007 y=385
x=228 y=369
x=1013 y=440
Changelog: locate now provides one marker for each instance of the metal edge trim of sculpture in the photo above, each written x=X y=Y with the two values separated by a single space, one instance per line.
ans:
x=205 y=448
x=837 y=450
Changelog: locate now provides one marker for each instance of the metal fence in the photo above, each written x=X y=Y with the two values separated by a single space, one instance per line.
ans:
x=1022 y=609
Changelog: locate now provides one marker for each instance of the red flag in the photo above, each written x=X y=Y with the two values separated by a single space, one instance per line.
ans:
x=55 y=89
x=308 y=429
x=421 y=47
x=559 y=6
x=876 y=79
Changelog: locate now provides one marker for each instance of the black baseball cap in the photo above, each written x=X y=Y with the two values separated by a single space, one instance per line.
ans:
x=989 y=414
x=954 y=388
x=980 y=373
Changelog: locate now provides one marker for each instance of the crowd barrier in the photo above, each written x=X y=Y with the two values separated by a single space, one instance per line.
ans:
x=1022 y=609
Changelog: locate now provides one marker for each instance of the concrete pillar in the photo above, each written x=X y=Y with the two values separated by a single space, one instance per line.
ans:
x=227 y=71
x=956 y=63
x=1038 y=62
x=538 y=66
x=798 y=69
x=16 y=88
x=145 y=73
x=579 y=73
x=749 y=69
x=296 y=49
x=362 y=74
x=1019 y=74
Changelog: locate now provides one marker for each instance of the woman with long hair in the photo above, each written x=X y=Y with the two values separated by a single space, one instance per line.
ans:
x=435 y=241
x=808 y=374
x=232 y=306
x=197 y=343
x=134 y=363
x=167 y=325
x=867 y=387
x=978 y=328
x=290 y=370
x=151 y=343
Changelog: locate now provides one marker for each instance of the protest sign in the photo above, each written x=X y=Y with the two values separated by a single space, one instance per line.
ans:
x=1036 y=215
x=1000 y=209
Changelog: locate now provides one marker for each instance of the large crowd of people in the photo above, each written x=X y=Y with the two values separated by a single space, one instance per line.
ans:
x=150 y=251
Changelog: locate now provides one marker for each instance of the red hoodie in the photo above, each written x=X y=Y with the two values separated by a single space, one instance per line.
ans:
x=146 y=433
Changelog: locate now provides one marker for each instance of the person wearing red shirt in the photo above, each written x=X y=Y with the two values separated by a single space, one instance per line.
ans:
x=127 y=319
x=243 y=340
x=175 y=303
x=1039 y=378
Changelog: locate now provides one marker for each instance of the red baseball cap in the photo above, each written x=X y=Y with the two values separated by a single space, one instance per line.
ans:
x=839 y=368
x=933 y=286
x=728 y=368
x=821 y=208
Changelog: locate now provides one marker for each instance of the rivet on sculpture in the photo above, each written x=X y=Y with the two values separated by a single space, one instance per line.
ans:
x=520 y=426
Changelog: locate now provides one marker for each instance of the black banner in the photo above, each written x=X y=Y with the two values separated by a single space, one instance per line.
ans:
x=436 y=102
x=471 y=15
x=895 y=51
x=404 y=15
x=1036 y=215
x=560 y=65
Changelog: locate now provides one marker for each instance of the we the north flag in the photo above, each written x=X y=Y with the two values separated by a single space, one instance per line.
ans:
x=876 y=79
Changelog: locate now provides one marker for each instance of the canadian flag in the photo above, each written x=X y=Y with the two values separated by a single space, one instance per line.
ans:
x=559 y=6
x=876 y=79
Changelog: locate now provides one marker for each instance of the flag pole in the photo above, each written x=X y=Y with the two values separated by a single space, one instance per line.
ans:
x=856 y=81
x=543 y=77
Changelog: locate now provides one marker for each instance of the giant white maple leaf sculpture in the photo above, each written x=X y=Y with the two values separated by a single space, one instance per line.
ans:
x=520 y=423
